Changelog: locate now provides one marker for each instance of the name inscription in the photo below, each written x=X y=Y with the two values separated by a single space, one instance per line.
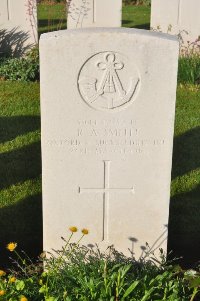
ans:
x=108 y=137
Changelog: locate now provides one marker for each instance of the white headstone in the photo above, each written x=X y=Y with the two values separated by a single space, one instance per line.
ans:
x=177 y=17
x=94 y=13
x=107 y=134
x=18 y=26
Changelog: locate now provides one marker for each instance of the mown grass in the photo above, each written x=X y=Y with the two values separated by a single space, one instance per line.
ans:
x=20 y=158
x=184 y=226
x=20 y=167
x=136 y=17
x=51 y=17
x=189 y=69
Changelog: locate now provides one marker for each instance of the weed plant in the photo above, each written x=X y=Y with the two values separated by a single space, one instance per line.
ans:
x=189 y=58
x=189 y=70
x=21 y=69
x=83 y=273
x=189 y=62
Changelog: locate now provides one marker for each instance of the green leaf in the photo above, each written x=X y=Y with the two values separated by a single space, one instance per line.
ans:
x=130 y=289
x=20 y=285
x=195 y=282
x=148 y=294
x=51 y=299
x=43 y=289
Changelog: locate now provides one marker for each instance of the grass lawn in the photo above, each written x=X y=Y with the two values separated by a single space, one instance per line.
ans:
x=136 y=16
x=20 y=172
x=51 y=17
x=20 y=157
x=184 y=225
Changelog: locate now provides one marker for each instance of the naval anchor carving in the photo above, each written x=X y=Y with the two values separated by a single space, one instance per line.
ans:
x=115 y=82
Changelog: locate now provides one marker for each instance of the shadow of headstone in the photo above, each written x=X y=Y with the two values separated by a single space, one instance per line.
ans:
x=184 y=221
x=21 y=223
x=13 y=43
x=20 y=220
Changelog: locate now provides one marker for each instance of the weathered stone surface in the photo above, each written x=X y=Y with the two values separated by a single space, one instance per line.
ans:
x=18 y=26
x=94 y=13
x=179 y=17
x=107 y=134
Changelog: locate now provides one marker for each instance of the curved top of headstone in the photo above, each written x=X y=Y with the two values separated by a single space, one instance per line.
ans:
x=133 y=31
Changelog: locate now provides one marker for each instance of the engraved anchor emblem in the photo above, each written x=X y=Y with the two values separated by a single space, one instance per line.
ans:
x=108 y=91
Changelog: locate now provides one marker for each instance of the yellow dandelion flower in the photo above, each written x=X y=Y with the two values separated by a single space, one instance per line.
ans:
x=12 y=246
x=2 y=273
x=12 y=279
x=73 y=229
x=85 y=231
x=23 y=298
x=43 y=255
x=2 y=292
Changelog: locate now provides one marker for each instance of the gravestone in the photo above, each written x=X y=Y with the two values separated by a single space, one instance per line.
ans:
x=94 y=13
x=178 y=17
x=4 y=11
x=107 y=134
x=18 y=26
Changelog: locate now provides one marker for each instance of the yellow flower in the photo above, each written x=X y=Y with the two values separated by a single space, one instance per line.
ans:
x=2 y=273
x=85 y=231
x=12 y=279
x=23 y=298
x=73 y=229
x=43 y=255
x=11 y=246
x=2 y=292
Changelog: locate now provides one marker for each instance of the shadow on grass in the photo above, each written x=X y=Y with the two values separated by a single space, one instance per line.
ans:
x=21 y=223
x=143 y=26
x=184 y=221
x=139 y=26
x=46 y=25
x=184 y=227
x=11 y=127
x=186 y=154
x=20 y=165
x=23 y=163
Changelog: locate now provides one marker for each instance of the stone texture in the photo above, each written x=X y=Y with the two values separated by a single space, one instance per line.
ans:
x=107 y=134
x=18 y=26
x=177 y=17
x=94 y=13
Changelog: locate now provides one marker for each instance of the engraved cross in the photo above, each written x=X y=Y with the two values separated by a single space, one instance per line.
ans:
x=106 y=190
